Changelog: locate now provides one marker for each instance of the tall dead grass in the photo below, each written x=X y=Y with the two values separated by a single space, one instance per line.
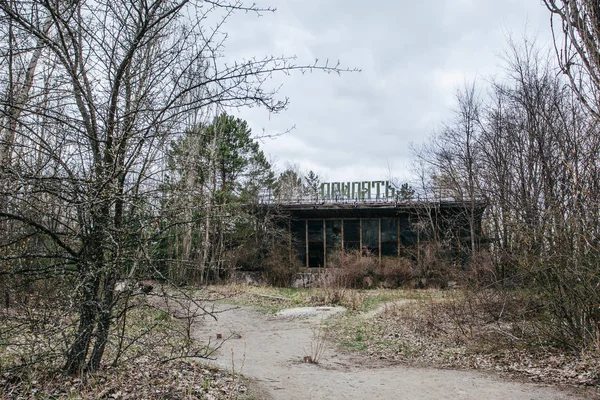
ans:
x=364 y=271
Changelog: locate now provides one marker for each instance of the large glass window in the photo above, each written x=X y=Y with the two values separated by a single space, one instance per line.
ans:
x=389 y=237
x=316 y=248
x=408 y=236
x=351 y=234
x=298 y=231
x=316 y=257
x=389 y=249
x=333 y=237
x=389 y=230
x=333 y=233
x=315 y=230
x=370 y=236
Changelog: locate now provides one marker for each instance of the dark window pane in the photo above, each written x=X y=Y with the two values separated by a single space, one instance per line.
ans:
x=315 y=243
x=333 y=233
x=298 y=231
x=389 y=249
x=351 y=230
x=300 y=253
x=408 y=237
x=315 y=254
x=370 y=233
x=349 y=246
x=315 y=230
x=389 y=230
x=297 y=227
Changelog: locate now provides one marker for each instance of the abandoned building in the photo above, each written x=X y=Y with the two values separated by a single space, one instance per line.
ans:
x=380 y=224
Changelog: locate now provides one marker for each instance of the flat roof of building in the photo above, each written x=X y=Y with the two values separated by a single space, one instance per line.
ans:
x=364 y=209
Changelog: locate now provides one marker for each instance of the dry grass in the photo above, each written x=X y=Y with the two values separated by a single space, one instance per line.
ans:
x=142 y=379
x=360 y=271
x=489 y=330
x=272 y=299
x=144 y=357
x=317 y=346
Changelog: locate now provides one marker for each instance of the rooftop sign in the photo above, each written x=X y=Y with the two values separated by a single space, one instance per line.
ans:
x=361 y=190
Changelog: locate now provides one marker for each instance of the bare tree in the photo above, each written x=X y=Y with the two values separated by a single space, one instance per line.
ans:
x=453 y=156
x=532 y=156
x=119 y=78
x=577 y=42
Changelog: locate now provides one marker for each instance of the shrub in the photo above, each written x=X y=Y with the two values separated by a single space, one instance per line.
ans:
x=435 y=267
x=480 y=270
x=393 y=272
x=277 y=267
x=352 y=270
x=362 y=271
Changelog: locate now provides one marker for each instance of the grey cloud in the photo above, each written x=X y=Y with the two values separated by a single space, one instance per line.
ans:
x=413 y=55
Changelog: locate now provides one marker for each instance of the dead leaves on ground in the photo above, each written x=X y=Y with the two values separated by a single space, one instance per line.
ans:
x=142 y=379
x=435 y=334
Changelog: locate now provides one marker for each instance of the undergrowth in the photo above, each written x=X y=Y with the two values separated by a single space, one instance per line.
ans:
x=487 y=329
x=145 y=356
x=271 y=299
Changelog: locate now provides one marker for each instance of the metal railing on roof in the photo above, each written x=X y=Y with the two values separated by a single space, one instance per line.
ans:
x=316 y=200
x=270 y=198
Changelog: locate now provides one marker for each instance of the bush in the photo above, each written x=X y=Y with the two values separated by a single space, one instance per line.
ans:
x=355 y=270
x=435 y=267
x=362 y=271
x=393 y=272
x=272 y=262
x=277 y=268
x=570 y=292
x=480 y=271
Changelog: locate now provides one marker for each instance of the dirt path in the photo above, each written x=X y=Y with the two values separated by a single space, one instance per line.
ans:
x=271 y=350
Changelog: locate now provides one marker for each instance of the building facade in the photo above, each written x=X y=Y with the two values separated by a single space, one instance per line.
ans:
x=319 y=232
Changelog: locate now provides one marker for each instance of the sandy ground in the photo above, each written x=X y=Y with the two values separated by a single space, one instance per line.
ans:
x=270 y=349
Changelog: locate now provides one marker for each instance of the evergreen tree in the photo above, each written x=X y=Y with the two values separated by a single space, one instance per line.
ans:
x=312 y=183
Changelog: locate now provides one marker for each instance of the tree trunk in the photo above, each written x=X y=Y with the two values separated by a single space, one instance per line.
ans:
x=103 y=325
x=88 y=311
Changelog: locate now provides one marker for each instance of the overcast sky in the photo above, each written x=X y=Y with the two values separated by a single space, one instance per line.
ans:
x=413 y=56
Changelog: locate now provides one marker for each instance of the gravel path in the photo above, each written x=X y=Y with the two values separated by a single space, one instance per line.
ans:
x=271 y=349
